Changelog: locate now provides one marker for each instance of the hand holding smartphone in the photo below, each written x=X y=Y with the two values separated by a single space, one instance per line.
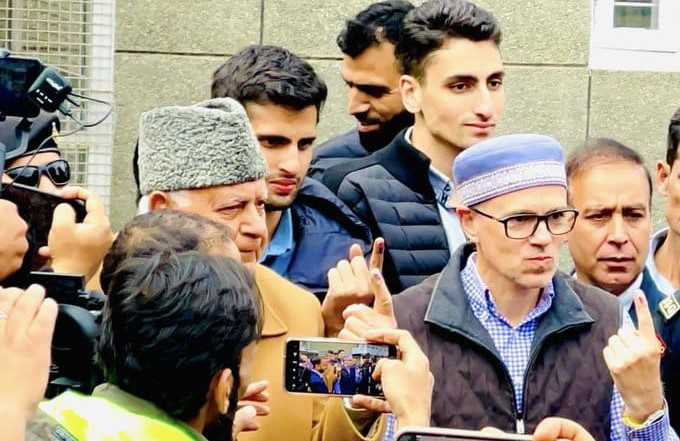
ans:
x=334 y=367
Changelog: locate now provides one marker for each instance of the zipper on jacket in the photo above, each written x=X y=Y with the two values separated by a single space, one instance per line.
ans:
x=519 y=424
x=532 y=360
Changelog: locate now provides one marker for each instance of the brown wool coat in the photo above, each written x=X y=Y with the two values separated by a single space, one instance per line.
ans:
x=290 y=312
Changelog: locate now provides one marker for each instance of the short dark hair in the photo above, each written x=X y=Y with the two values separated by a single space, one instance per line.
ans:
x=427 y=27
x=673 y=138
x=378 y=23
x=150 y=233
x=172 y=321
x=269 y=74
x=601 y=151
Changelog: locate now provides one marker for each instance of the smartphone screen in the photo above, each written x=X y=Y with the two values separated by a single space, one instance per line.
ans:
x=334 y=367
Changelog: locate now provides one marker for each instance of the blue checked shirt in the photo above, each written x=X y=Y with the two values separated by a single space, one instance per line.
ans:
x=514 y=346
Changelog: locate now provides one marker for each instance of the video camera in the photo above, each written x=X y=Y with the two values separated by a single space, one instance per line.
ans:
x=27 y=89
x=30 y=95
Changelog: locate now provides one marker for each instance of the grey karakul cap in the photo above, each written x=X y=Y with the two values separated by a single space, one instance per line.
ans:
x=204 y=145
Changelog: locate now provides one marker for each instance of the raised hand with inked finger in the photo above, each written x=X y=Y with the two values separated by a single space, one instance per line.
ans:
x=349 y=283
x=633 y=357
x=407 y=383
x=78 y=248
x=360 y=318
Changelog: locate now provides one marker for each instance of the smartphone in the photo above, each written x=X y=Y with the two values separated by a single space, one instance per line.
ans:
x=37 y=209
x=436 y=434
x=333 y=367
x=63 y=288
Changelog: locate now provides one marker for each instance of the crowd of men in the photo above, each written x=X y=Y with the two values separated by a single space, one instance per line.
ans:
x=337 y=374
x=419 y=228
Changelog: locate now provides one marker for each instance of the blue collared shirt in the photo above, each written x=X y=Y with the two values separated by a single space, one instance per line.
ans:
x=279 y=252
x=442 y=185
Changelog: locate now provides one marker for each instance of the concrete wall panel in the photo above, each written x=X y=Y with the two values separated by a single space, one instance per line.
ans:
x=198 y=26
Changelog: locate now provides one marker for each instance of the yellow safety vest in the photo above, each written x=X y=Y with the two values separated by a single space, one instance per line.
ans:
x=99 y=419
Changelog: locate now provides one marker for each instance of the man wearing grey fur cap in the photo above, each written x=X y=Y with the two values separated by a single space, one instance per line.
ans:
x=205 y=159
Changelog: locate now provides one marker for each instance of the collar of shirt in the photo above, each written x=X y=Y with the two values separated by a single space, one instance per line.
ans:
x=282 y=240
x=664 y=285
x=441 y=184
x=627 y=297
x=483 y=304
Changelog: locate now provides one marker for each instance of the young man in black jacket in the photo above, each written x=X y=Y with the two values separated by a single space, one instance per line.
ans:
x=453 y=84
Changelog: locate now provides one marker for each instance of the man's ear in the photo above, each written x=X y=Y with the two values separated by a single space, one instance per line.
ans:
x=663 y=172
x=159 y=200
x=221 y=387
x=411 y=94
x=467 y=222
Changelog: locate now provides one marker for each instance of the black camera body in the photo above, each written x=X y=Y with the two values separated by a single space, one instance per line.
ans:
x=30 y=93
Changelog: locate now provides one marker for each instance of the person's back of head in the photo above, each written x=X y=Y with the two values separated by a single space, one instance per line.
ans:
x=269 y=75
x=178 y=231
x=430 y=25
x=173 y=325
x=378 y=23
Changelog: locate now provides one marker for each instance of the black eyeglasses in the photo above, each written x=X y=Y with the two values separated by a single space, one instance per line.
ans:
x=59 y=172
x=521 y=226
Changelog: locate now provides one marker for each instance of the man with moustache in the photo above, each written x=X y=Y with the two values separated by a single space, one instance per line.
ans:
x=309 y=228
x=206 y=160
x=612 y=189
x=371 y=72
x=453 y=84
x=511 y=340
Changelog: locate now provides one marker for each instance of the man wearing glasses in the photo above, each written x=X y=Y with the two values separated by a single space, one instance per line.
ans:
x=510 y=340
x=612 y=189
x=43 y=169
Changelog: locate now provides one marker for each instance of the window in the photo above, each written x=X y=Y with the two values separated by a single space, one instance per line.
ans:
x=76 y=37
x=635 y=35
x=636 y=14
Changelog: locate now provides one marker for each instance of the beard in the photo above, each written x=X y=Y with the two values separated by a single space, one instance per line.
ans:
x=378 y=139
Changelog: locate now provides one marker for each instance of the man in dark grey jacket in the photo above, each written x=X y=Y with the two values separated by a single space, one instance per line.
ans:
x=511 y=342
x=370 y=70
x=453 y=84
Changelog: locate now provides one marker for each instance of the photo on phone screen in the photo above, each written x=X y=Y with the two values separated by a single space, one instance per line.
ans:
x=334 y=367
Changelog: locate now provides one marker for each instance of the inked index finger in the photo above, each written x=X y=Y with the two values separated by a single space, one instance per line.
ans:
x=644 y=316
x=377 y=254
